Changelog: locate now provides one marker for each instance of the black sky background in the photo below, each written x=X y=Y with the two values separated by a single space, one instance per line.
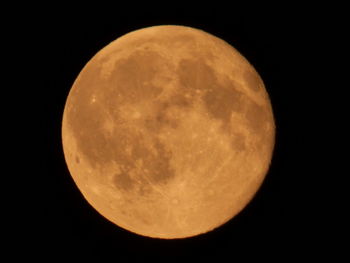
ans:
x=272 y=225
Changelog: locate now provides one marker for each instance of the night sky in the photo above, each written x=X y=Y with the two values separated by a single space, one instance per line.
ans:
x=65 y=224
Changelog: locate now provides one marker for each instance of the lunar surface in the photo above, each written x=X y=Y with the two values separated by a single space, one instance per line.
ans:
x=168 y=132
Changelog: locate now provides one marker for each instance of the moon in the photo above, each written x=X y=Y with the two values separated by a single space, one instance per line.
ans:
x=168 y=132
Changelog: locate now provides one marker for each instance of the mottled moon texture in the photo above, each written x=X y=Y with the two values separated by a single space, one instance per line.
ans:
x=168 y=132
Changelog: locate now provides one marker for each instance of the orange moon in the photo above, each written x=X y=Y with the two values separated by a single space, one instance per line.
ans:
x=168 y=132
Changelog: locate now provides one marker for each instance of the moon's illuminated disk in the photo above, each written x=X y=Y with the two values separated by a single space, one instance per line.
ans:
x=168 y=132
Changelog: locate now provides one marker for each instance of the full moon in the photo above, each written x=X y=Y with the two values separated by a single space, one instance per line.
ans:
x=168 y=132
